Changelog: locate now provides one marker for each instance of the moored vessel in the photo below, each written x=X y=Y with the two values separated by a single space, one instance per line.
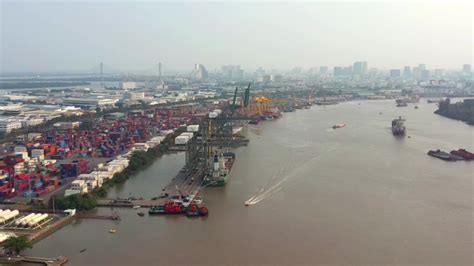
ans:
x=220 y=169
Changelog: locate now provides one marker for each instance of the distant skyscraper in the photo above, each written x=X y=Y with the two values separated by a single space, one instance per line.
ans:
x=394 y=73
x=364 y=67
x=425 y=74
x=407 y=72
x=466 y=69
x=357 y=68
x=416 y=73
x=232 y=72
x=422 y=67
x=438 y=72
x=199 y=72
x=337 y=71
x=159 y=71
x=323 y=70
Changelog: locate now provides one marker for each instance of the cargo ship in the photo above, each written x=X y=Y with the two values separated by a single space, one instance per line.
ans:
x=220 y=170
x=463 y=153
x=398 y=128
x=444 y=155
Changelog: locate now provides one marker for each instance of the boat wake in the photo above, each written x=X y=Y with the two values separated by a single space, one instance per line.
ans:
x=284 y=174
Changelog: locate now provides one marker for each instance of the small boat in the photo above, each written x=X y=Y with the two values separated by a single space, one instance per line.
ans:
x=203 y=211
x=247 y=203
x=416 y=106
x=112 y=231
x=140 y=213
x=136 y=207
x=82 y=250
x=339 y=126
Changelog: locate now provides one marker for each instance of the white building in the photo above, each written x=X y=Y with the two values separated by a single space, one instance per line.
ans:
x=134 y=96
x=7 y=125
x=128 y=85
x=90 y=102
x=199 y=72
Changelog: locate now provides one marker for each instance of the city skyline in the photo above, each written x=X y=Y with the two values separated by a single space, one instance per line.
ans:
x=182 y=35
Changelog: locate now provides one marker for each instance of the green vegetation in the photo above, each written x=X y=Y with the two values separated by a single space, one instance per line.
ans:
x=15 y=245
x=78 y=202
x=463 y=111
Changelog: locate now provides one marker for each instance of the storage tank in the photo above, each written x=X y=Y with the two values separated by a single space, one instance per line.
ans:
x=37 y=220
x=25 y=222
x=189 y=134
x=25 y=218
x=4 y=237
x=5 y=212
x=9 y=216
x=181 y=140
x=193 y=128
x=213 y=115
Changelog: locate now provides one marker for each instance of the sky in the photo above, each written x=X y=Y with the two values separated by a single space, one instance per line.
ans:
x=134 y=36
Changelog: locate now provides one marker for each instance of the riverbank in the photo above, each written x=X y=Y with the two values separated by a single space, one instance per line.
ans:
x=139 y=161
x=463 y=111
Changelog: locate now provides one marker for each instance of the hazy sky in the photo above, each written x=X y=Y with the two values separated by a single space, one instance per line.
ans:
x=60 y=36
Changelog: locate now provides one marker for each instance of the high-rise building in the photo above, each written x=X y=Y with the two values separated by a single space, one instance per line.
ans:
x=323 y=70
x=422 y=67
x=416 y=73
x=357 y=68
x=407 y=72
x=232 y=72
x=439 y=72
x=337 y=71
x=394 y=73
x=364 y=67
x=425 y=74
x=199 y=72
x=466 y=69
x=128 y=85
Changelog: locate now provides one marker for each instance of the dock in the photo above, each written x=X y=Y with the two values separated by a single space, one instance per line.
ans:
x=35 y=260
x=188 y=182
x=96 y=216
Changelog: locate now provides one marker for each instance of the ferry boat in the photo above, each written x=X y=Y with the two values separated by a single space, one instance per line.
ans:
x=221 y=169
x=398 y=128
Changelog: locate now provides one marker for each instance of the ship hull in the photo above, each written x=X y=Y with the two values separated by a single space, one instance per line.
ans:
x=221 y=181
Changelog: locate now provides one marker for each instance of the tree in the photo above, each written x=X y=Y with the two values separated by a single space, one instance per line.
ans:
x=16 y=245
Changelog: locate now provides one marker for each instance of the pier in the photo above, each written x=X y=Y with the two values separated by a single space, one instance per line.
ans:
x=114 y=216
x=188 y=182
x=35 y=260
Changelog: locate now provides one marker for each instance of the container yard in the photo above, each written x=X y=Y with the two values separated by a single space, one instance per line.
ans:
x=39 y=166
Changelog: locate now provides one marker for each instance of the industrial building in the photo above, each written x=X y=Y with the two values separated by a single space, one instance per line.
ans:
x=8 y=124
x=90 y=102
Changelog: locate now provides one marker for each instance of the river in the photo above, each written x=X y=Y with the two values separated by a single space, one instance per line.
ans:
x=354 y=195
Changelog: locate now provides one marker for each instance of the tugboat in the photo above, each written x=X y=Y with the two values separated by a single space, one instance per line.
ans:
x=192 y=210
x=140 y=213
x=203 y=211
x=398 y=128
x=170 y=207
